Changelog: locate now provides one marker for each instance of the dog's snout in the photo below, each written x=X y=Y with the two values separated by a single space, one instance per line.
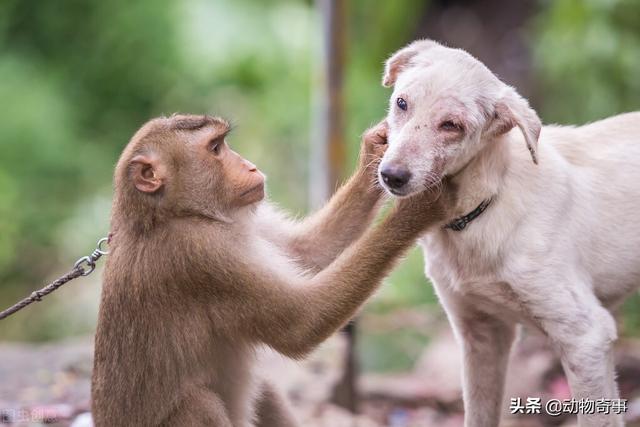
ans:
x=395 y=178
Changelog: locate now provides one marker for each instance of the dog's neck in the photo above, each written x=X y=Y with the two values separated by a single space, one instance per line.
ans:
x=481 y=178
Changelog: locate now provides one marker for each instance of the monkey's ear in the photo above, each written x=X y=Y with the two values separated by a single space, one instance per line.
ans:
x=147 y=173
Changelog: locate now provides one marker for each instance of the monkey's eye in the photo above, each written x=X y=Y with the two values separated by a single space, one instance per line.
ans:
x=451 y=126
x=216 y=145
x=402 y=104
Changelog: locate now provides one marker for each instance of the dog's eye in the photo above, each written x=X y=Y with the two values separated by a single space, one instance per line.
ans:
x=402 y=104
x=451 y=126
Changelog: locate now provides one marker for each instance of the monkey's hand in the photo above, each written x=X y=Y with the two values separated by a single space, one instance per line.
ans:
x=373 y=147
x=425 y=209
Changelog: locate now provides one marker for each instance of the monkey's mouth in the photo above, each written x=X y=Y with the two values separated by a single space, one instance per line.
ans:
x=259 y=188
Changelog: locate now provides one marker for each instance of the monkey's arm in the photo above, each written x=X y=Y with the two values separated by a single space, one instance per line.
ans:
x=321 y=237
x=272 y=409
x=293 y=313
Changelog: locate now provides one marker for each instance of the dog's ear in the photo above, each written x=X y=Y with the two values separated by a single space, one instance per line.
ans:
x=401 y=59
x=513 y=110
x=396 y=64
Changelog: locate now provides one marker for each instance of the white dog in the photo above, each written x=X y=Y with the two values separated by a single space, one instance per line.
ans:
x=546 y=231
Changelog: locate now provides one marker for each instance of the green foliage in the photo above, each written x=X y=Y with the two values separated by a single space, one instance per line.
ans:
x=76 y=81
x=406 y=286
x=78 y=77
x=393 y=350
x=587 y=54
x=79 y=80
x=374 y=34
x=9 y=219
x=631 y=316
x=35 y=167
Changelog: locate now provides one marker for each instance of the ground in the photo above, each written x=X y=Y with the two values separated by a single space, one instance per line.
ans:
x=51 y=383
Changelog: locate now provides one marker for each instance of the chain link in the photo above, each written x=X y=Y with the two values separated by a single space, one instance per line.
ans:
x=83 y=267
x=88 y=263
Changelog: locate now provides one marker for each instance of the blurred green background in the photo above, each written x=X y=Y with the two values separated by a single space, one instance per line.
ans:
x=78 y=77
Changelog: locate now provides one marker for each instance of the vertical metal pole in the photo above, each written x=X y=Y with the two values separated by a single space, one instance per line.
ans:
x=335 y=44
x=329 y=153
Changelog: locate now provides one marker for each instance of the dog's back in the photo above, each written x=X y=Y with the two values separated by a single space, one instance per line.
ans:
x=611 y=142
x=603 y=159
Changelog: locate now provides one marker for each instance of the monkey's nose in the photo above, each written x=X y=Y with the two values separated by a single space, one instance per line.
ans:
x=251 y=166
x=395 y=178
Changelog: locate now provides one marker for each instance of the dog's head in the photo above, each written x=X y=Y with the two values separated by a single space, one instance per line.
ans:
x=445 y=107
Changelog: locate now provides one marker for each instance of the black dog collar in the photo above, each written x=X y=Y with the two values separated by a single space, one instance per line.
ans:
x=461 y=222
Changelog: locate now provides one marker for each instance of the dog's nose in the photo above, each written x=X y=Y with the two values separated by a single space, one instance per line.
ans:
x=395 y=178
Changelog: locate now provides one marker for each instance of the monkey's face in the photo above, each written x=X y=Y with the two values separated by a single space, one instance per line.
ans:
x=182 y=164
x=213 y=180
x=243 y=183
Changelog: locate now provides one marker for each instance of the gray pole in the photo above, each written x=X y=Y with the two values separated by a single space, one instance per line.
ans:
x=328 y=154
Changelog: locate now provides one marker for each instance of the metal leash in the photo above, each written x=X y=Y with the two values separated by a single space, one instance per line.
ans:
x=83 y=267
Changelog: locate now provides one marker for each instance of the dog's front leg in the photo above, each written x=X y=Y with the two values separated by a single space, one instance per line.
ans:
x=486 y=342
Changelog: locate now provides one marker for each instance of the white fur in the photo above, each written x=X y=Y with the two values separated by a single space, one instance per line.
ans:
x=558 y=247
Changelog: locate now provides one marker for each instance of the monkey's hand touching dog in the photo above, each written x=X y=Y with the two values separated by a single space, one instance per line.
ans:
x=317 y=240
x=201 y=272
x=374 y=145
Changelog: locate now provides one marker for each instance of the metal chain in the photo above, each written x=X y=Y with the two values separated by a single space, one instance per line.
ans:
x=83 y=267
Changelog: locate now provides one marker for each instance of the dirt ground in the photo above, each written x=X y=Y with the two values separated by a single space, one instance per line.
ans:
x=50 y=384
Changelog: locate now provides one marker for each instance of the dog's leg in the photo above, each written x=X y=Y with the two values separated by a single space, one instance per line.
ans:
x=587 y=359
x=486 y=342
x=583 y=333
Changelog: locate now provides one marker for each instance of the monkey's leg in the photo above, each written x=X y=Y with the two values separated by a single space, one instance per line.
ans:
x=199 y=407
x=272 y=410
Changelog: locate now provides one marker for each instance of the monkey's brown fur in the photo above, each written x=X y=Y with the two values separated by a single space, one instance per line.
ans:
x=201 y=271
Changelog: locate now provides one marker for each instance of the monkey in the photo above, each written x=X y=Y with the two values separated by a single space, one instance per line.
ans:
x=203 y=270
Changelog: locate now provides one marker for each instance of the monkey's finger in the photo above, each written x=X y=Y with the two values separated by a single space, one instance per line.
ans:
x=382 y=138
